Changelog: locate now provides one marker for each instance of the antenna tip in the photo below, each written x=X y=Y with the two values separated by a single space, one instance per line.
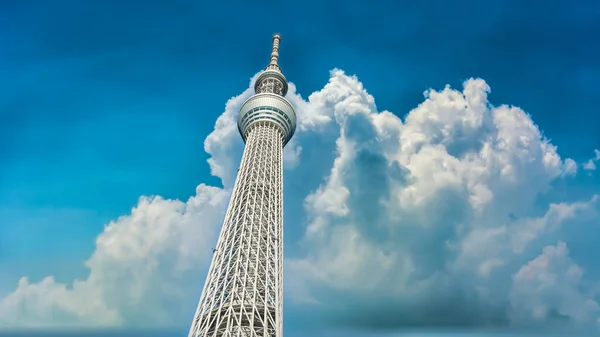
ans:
x=276 y=36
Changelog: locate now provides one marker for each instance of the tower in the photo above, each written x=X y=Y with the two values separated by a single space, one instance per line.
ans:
x=243 y=293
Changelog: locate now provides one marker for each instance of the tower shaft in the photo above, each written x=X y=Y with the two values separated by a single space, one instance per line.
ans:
x=243 y=293
x=244 y=290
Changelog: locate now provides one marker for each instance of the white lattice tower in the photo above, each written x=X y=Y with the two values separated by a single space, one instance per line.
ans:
x=243 y=293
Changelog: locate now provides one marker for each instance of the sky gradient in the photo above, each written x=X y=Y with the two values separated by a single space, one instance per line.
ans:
x=106 y=101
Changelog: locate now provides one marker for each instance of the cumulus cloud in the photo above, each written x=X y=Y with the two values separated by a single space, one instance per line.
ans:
x=590 y=165
x=421 y=221
x=552 y=287
x=436 y=218
x=155 y=250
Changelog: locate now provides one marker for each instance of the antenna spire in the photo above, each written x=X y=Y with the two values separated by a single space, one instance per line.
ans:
x=271 y=80
x=275 y=51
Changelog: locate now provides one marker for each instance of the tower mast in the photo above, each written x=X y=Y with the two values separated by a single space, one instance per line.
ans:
x=243 y=292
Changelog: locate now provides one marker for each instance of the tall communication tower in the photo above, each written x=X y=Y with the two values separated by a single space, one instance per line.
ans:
x=243 y=293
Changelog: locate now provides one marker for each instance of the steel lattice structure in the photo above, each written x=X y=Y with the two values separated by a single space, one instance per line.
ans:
x=243 y=293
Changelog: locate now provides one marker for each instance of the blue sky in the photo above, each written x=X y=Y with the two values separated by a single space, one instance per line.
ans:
x=106 y=101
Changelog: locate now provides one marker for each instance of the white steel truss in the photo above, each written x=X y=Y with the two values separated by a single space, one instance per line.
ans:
x=243 y=293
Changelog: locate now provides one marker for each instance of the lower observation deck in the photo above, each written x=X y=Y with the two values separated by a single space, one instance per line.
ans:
x=267 y=107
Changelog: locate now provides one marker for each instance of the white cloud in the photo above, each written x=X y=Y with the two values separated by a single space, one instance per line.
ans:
x=552 y=287
x=438 y=206
x=49 y=303
x=569 y=167
x=411 y=217
x=140 y=272
x=590 y=165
